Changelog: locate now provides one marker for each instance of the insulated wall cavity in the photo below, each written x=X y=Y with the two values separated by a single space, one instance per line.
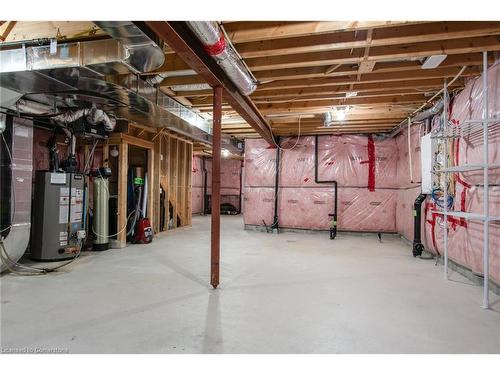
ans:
x=305 y=204
x=230 y=182
x=258 y=206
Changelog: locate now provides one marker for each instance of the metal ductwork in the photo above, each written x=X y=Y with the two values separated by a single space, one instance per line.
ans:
x=434 y=110
x=105 y=57
x=216 y=46
x=328 y=119
x=421 y=116
x=3 y=123
x=143 y=54
x=38 y=83
x=15 y=186
x=72 y=79
x=93 y=115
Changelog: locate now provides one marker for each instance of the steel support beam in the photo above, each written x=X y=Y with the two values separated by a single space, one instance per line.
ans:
x=182 y=40
x=216 y=151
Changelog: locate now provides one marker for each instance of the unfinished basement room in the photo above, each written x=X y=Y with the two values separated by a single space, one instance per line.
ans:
x=249 y=187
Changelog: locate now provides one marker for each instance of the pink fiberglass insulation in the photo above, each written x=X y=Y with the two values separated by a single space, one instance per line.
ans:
x=359 y=209
x=260 y=162
x=230 y=172
x=230 y=182
x=197 y=172
x=386 y=160
x=403 y=165
x=367 y=211
x=197 y=200
x=346 y=159
x=305 y=204
x=404 y=211
x=297 y=163
x=342 y=158
x=197 y=186
x=258 y=206
x=305 y=208
x=466 y=237
x=468 y=105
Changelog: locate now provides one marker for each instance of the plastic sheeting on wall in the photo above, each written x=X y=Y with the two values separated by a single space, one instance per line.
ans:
x=404 y=211
x=305 y=208
x=466 y=237
x=367 y=211
x=346 y=159
x=260 y=163
x=468 y=105
x=230 y=182
x=197 y=200
x=304 y=204
x=258 y=206
x=403 y=166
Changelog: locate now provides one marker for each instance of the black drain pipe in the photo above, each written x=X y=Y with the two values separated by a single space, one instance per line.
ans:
x=333 y=226
x=276 y=185
x=417 y=221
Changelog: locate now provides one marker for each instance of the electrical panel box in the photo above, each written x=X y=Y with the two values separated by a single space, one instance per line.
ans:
x=426 y=155
x=57 y=215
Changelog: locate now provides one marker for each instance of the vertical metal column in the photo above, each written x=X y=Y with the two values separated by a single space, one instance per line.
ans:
x=445 y=188
x=486 y=221
x=216 y=149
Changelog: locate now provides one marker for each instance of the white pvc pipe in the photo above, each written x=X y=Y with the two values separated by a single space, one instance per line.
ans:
x=445 y=188
x=486 y=187
x=145 y=195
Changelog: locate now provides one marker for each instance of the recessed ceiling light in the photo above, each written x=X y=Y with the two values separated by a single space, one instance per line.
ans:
x=433 y=61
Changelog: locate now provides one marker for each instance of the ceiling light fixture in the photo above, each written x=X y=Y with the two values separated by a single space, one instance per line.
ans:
x=340 y=113
x=225 y=153
x=433 y=61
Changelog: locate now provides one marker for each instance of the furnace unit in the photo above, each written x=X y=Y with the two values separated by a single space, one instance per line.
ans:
x=57 y=218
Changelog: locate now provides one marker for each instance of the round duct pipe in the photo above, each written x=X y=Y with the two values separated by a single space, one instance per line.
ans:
x=215 y=45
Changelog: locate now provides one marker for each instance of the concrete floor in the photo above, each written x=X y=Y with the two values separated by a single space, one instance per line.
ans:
x=287 y=293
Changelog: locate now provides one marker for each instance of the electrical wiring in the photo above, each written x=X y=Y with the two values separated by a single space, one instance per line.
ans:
x=121 y=230
x=437 y=198
x=126 y=221
x=296 y=142
x=90 y=159
x=30 y=270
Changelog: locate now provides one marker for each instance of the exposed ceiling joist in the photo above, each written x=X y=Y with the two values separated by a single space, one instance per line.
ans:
x=382 y=53
x=180 y=38
x=417 y=85
x=405 y=34
x=369 y=78
x=240 y=32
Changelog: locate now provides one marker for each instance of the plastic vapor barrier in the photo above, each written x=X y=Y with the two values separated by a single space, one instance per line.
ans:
x=230 y=182
x=304 y=204
x=466 y=237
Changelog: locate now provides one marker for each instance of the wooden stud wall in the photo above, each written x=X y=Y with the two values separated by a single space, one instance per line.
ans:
x=170 y=160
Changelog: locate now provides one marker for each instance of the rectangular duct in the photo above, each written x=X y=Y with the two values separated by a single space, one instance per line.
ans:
x=105 y=57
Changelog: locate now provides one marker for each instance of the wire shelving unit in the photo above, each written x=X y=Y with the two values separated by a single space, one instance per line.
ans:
x=468 y=128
